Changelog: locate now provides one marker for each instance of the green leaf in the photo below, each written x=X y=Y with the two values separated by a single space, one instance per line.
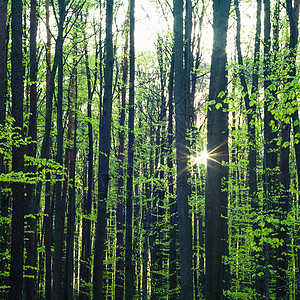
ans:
x=219 y=105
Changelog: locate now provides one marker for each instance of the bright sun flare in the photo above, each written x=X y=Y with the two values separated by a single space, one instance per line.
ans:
x=201 y=158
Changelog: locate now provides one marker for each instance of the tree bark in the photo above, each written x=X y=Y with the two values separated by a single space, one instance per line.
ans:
x=172 y=200
x=48 y=213
x=59 y=204
x=31 y=151
x=119 y=284
x=86 y=243
x=17 y=86
x=71 y=136
x=4 y=197
x=129 y=268
x=104 y=150
x=184 y=222
x=217 y=147
x=270 y=147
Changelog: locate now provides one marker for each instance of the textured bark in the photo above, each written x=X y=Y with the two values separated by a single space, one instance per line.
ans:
x=59 y=204
x=282 y=211
x=270 y=147
x=119 y=283
x=129 y=267
x=104 y=151
x=86 y=244
x=17 y=85
x=172 y=201
x=184 y=222
x=250 y=109
x=31 y=257
x=71 y=156
x=148 y=171
x=3 y=62
x=48 y=214
x=217 y=146
x=4 y=198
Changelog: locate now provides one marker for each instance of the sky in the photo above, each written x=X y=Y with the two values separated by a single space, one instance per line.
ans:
x=148 y=24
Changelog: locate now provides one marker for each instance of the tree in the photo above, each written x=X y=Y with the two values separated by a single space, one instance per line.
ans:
x=31 y=151
x=217 y=147
x=104 y=151
x=119 y=289
x=59 y=204
x=129 y=269
x=17 y=85
x=184 y=222
x=3 y=97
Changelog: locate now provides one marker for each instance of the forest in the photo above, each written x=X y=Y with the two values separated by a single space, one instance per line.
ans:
x=149 y=149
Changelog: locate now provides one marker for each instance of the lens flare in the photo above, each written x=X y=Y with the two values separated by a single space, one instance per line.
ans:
x=201 y=158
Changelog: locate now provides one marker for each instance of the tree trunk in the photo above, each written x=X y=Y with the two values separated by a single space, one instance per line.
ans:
x=172 y=200
x=217 y=147
x=104 y=150
x=4 y=197
x=129 y=268
x=17 y=86
x=86 y=245
x=31 y=151
x=270 y=147
x=48 y=213
x=71 y=136
x=119 y=283
x=184 y=222
x=59 y=204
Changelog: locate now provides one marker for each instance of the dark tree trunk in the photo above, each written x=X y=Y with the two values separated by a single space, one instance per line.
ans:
x=184 y=222
x=172 y=200
x=217 y=146
x=293 y=14
x=104 y=150
x=17 y=85
x=282 y=211
x=3 y=62
x=119 y=283
x=4 y=197
x=148 y=171
x=71 y=136
x=59 y=204
x=86 y=244
x=270 y=147
x=31 y=151
x=249 y=108
x=48 y=213
x=129 y=268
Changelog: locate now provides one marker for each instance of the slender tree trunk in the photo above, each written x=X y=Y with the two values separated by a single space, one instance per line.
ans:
x=250 y=109
x=86 y=245
x=48 y=213
x=293 y=15
x=17 y=86
x=172 y=200
x=71 y=136
x=217 y=146
x=3 y=63
x=148 y=171
x=119 y=284
x=184 y=222
x=4 y=197
x=282 y=251
x=270 y=148
x=59 y=204
x=129 y=268
x=104 y=150
x=31 y=151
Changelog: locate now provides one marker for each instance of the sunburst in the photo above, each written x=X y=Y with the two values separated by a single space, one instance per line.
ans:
x=200 y=158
